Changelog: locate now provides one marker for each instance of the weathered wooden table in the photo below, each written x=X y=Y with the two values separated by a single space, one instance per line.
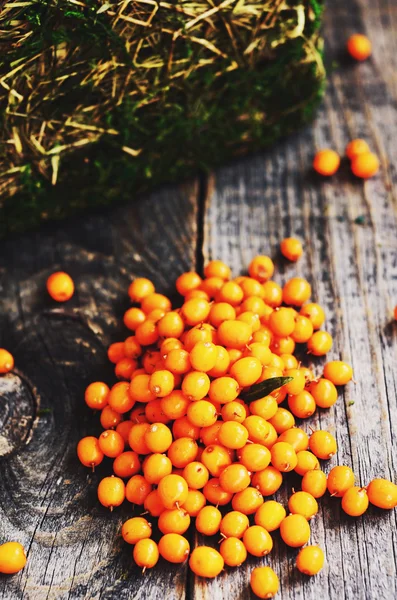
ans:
x=48 y=502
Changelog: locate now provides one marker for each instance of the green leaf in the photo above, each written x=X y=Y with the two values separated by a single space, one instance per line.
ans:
x=264 y=388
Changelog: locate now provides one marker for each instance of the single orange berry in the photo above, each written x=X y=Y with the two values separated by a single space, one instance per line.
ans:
x=295 y=530
x=282 y=420
x=147 y=333
x=324 y=392
x=233 y=552
x=302 y=405
x=126 y=464
x=203 y=356
x=174 y=520
x=134 y=317
x=223 y=390
x=116 y=352
x=323 y=444
x=303 y=503
x=303 y=329
x=382 y=493
x=215 y=494
x=196 y=385
x=268 y=480
x=155 y=467
x=257 y=540
x=307 y=461
x=247 y=501
x=283 y=457
x=60 y=286
x=291 y=248
x=96 y=394
x=182 y=427
x=158 y=437
x=111 y=443
x=12 y=558
x=172 y=491
x=233 y=435
x=155 y=301
x=310 y=560
x=206 y=562
x=295 y=436
x=110 y=418
x=264 y=582
x=174 y=548
x=234 y=334
x=182 y=452
x=161 y=383
x=365 y=165
x=338 y=372
x=339 y=480
x=231 y=293
x=273 y=296
x=194 y=502
x=254 y=457
x=208 y=520
x=315 y=483
x=153 y=504
x=139 y=389
x=196 y=475
x=270 y=515
x=355 y=501
x=195 y=311
x=137 y=490
x=146 y=553
x=356 y=147
x=119 y=397
x=319 y=343
x=326 y=162
x=261 y=268
x=217 y=268
x=234 y=411
x=124 y=429
x=89 y=452
x=234 y=478
x=6 y=361
x=187 y=282
x=111 y=492
x=136 y=529
x=171 y=325
x=140 y=288
x=359 y=47
x=314 y=313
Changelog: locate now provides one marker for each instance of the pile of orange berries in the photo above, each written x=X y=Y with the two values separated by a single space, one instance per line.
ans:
x=363 y=162
x=186 y=445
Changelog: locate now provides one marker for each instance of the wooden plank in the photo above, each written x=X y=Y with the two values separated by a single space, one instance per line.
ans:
x=352 y=266
x=47 y=499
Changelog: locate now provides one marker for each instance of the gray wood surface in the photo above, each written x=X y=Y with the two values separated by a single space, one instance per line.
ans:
x=48 y=502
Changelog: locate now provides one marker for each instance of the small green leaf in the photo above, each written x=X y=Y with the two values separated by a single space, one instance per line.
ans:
x=264 y=388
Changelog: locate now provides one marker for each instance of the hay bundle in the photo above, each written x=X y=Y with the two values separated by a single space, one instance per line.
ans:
x=100 y=99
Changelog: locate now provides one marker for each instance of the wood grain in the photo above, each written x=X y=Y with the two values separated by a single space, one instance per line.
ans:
x=47 y=500
x=349 y=230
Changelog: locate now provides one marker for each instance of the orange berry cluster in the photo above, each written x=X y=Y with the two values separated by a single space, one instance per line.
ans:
x=363 y=162
x=188 y=438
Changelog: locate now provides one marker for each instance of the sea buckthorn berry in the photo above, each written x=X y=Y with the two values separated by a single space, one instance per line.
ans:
x=154 y=412
x=172 y=491
x=233 y=552
x=324 y=392
x=231 y=293
x=111 y=492
x=202 y=413
x=320 y=343
x=171 y=325
x=339 y=480
x=296 y=291
x=217 y=268
x=314 y=313
x=315 y=483
x=264 y=582
x=223 y=389
x=178 y=361
x=206 y=562
x=124 y=429
x=116 y=352
x=138 y=415
x=195 y=311
x=7 y=363
x=111 y=443
x=199 y=293
x=382 y=493
x=137 y=489
x=133 y=317
x=260 y=351
x=295 y=436
x=110 y=418
x=136 y=529
x=234 y=478
x=234 y=411
x=247 y=501
x=216 y=458
x=268 y=480
x=257 y=540
x=174 y=405
x=222 y=363
x=136 y=439
x=270 y=515
x=208 y=520
x=234 y=524
x=152 y=361
x=89 y=452
x=158 y=437
x=326 y=162
x=355 y=501
x=234 y=355
x=155 y=467
x=251 y=319
x=282 y=321
x=302 y=405
x=119 y=398
x=283 y=457
x=153 y=504
x=174 y=548
x=169 y=344
x=265 y=407
x=256 y=304
x=182 y=427
x=261 y=268
x=233 y=435
x=182 y=452
x=60 y=286
x=251 y=288
x=132 y=349
x=338 y=372
x=306 y=462
x=215 y=494
x=175 y=520
x=209 y=435
x=96 y=394
x=155 y=315
x=139 y=389
x=282 y=420
x=146 y=553
x=258 y=429
x=147 y=333
x=234 y=334
x=356 y=147
x=359 y=46
x=282 y=345
x=310 y=560
x=221 y=311
x=196 y=475
x=303 y=503
x=273 y=296
x=161 y=383
x=323 y=444
x=200 y=333
x=155 y=301
x=195 y=385
x=303 y=329
x=203 y=356
x=187 y=281
x=210 y=287
x=297 y=385
x=254 y=457
x=295 y=530
x=291 y=248
x=140 y=288
x=126 y=464
x=12 y=558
